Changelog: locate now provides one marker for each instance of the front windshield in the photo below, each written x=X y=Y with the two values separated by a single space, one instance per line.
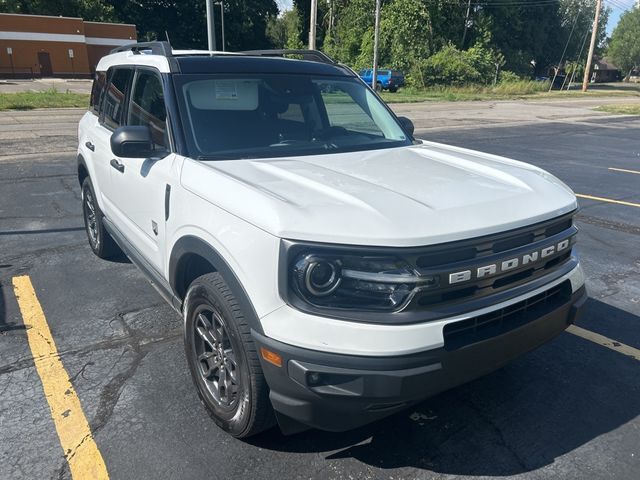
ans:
x=273 y=115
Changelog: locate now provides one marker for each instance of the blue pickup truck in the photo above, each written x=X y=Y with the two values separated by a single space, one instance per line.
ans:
x=387 y=79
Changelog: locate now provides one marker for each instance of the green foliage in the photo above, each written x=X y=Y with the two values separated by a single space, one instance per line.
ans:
x=574 y=69
x=50 y=98
x=413 y=29
x=405 y=34
x=519 y=89
x=624 y=48
x=631 y=109
x=507 y=76
x=355 y=18
x=500 y=34
x=183 y=20
x=92 y=10
x=283 y=31
x=451 y=66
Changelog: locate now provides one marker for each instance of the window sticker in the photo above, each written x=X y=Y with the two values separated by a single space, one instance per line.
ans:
x=226 y=90
x=223 y=94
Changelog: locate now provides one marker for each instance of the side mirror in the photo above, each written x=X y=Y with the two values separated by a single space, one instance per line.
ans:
x=132 y=142
x=407 y=125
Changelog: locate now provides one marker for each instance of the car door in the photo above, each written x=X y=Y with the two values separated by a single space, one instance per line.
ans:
x=111 y=116
x=141 y=186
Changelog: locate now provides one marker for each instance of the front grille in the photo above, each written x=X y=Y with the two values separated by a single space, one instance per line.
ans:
x=493 y=249
x=476 y=329
x=493 y=244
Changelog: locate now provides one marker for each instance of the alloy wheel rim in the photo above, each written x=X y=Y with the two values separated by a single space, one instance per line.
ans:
x=90 y=215
x=215 y=358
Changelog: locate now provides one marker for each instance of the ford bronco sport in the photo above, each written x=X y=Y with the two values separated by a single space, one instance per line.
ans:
x=330 y=268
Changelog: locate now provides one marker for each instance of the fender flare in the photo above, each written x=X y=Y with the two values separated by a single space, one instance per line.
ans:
x=190 y=244
x=81 y=162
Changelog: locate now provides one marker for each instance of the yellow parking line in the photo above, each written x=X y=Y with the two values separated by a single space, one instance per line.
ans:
x=605 y=342
x=80 y=449
x=608 y=200
x=624 y=170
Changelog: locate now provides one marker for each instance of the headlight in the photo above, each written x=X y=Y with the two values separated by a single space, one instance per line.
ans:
x=317 y=276
x=325 y=278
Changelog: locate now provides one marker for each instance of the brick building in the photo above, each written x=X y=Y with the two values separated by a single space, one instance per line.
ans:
x=40 y=46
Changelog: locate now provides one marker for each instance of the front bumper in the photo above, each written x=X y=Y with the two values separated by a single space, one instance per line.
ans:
x=338 y=392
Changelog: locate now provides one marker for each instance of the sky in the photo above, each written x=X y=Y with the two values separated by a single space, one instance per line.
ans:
x=284 y=4
x=616 y=6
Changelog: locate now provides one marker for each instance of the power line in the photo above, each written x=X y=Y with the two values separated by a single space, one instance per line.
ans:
x=566 y=46
x=575 y=70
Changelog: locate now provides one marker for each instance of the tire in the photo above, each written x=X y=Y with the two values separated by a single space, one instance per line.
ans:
x=379 y=87
x=223 y=360
x=100 y=241
x=393 y=89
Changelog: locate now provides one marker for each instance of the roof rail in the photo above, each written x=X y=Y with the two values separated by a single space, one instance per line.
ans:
x=310 y=55
x=157 y=48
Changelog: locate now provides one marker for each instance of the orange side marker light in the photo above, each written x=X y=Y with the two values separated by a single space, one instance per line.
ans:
x=271 y=357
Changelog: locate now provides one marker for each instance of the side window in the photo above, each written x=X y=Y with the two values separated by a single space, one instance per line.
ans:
x=113 y=105
x=96 y=92
x=147 y=107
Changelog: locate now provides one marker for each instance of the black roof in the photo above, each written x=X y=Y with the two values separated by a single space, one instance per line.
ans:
x=255 y=64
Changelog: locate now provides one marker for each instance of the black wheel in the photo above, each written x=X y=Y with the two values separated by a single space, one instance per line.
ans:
x=223 y=360
x=393 y=89
x=99 y=239
x=378 y=87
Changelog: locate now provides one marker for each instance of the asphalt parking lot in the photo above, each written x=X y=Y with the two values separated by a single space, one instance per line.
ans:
x=570 y=409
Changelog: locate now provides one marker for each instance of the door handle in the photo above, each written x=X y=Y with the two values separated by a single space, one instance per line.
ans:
x=117 y=165
x=90 y=146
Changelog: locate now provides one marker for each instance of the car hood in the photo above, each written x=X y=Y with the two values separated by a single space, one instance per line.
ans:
x=409 y=196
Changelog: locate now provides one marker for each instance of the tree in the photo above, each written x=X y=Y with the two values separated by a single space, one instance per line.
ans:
x=405 y=36
x=185 y=21
x=624 y=47
x=91 y=10
x=284 y=30
x=303 y=9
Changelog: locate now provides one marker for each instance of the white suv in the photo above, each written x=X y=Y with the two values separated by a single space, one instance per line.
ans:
x=331 y=269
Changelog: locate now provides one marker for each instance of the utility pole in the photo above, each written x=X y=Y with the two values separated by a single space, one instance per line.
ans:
x=312 y=25
x=376 y=38
x=211 y=26
x=466 y=23
x=594 y=37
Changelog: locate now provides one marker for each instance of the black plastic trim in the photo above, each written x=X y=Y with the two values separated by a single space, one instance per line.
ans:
x=173 y=115
x=194 y=245
x=309 y=55
x=81 y=162
x=167 y=201
x=155 y=277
